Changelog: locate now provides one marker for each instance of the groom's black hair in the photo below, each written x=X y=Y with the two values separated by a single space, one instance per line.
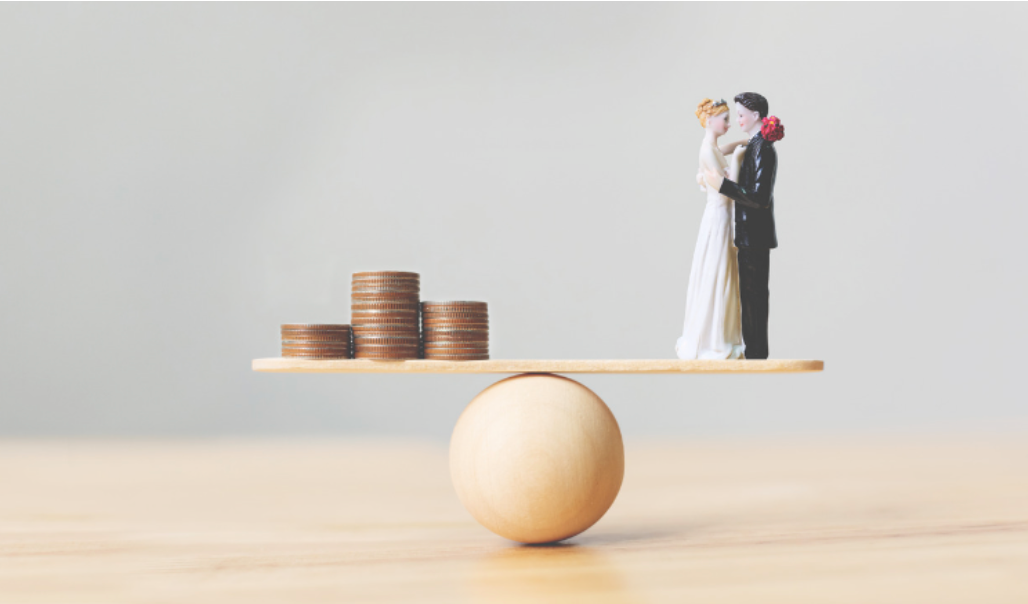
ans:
x=753 y=102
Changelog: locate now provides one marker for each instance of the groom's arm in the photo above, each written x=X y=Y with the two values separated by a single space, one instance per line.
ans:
x=759 y=196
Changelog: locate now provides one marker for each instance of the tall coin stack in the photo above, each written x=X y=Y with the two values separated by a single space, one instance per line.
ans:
x=455 y=331
x=385 y=309
x=314 y=341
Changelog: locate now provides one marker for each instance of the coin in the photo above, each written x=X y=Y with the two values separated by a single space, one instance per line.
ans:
x=386 y=340
x=385 y=279
x=456 y=305
x=314 y=357
x=430 y=326
x=450 y=339
x=386 y=283
x=381 y=274
x=453 y=309
x=394 y=338
x=325 y=343
x=371 y=326
x=336 y=343
x=374 y=306
x=384 y=318
x=454 y=339
x=405 y=282
x=393 y=324
x=368 y=291
x=386 y=324
x=371 y=313
x=457 y=357
x=378 y=278
x=444 y=327
x=444 y=311
x=385 y=327
x=389 y=357
x=437 y=324
x=432 y=331
x=387 y=288
x=456 y=343
x=472 y=327
x=386 y=297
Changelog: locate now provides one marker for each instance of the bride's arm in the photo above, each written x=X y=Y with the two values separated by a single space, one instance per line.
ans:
x=709 y=162
x=713 y=173
x=730 y=147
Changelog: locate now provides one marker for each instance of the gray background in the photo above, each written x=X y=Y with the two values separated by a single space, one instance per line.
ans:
x=178 y=180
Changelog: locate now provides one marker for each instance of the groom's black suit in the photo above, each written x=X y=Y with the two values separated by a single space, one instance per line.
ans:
x=754 y=236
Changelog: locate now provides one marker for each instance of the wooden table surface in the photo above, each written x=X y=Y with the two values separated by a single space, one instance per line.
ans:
x=920 y=519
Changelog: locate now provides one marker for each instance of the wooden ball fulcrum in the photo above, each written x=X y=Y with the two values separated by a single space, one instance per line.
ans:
x=537 y=458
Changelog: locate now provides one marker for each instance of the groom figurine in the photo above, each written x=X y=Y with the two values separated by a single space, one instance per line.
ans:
x=754 y=220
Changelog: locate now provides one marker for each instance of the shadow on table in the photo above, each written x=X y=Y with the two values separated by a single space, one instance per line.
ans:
x=548 y=573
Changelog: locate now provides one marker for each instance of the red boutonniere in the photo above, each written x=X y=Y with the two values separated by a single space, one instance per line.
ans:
x=772 y=130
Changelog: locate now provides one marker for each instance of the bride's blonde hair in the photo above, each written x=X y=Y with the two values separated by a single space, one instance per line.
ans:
x=708 y=109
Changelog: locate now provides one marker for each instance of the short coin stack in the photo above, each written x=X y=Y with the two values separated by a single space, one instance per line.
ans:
x=315 y=341
x=455 y=331
x=384 y=309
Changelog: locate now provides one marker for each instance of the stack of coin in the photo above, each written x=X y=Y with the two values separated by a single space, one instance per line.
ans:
x=385 y=314
x=455 y=331
x=313 y=341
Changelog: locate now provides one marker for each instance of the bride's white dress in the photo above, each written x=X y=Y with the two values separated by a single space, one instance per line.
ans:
x=713 y=318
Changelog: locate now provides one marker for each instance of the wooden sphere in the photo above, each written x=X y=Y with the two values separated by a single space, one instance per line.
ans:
x=537 y=458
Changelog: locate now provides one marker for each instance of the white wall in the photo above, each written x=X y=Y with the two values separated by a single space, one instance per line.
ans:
x=179 y=179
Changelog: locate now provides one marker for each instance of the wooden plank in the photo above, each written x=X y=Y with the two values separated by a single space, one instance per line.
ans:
x=282 y=365
x=841 y=520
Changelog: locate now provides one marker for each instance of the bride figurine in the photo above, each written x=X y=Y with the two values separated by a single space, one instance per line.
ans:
x=712 y=313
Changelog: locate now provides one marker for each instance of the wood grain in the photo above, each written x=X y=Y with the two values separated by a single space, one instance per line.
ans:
x=537 y=458
x=280 y=365
x=934 y=520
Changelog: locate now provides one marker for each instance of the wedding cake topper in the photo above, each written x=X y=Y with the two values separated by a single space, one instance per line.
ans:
x=726 y=308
